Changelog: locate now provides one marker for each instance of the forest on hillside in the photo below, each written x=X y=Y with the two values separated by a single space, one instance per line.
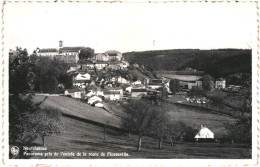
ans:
x=218 y=63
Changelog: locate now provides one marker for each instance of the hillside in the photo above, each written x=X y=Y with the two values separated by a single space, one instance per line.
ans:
x=79 y=136
x=218 y=63
x=82 y=110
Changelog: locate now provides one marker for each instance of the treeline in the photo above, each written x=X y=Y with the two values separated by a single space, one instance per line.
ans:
x=45 y=74
x=218 y=63
x=29 y=120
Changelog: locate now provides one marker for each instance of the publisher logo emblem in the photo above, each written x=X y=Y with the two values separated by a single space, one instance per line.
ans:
x=15 y=150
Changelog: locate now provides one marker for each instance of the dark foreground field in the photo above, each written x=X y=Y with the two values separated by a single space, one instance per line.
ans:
x=79 y=136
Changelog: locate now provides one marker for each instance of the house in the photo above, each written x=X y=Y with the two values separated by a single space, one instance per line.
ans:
x=93 y=99
x=98 y=104
x=196 y=84
x=93 y=92
x=109 y=84
x=82 y=76
x=112 y=95
x=88 y=66
x=138 y=86
x=155 y=86
x=101 y=65
x=146 y=81
x=137 y=82
x=117 y=89
x=220 y=83
x=122 y=80
x=102 y=57
x=114 y=55
x=124 y=64
x=167 y=86
x=73 y=68
x=113 y=66
x=75 y=93
x=204 y=133
x=81 y=83
x=156 y=81
x=138 y=92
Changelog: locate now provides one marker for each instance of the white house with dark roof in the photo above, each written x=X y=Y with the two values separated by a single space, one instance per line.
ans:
x=75 y=93
x=82 y=76
x=138 y=92
x=110 y=95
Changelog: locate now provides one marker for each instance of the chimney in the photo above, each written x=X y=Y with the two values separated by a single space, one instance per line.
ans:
x=201 y=126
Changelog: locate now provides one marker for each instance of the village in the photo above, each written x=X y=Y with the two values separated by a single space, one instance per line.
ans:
x=93 y=88
x=99 y=89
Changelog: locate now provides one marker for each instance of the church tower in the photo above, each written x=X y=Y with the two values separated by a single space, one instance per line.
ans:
x=60 y=44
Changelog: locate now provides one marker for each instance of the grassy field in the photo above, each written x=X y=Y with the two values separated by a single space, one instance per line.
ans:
x=76 y=108
x=82 y=137
x=195 y=117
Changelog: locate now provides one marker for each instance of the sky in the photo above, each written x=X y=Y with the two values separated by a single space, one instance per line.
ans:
x=130 y=26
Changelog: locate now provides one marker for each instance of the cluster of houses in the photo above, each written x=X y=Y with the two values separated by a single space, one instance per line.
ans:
x=94 y=89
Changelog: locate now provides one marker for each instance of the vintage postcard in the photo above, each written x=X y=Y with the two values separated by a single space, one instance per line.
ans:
x=130 y=83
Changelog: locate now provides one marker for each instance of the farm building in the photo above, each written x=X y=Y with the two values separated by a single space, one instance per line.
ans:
x=138 y=92
x=75 y=93
x=112 y=95
x=204 y=133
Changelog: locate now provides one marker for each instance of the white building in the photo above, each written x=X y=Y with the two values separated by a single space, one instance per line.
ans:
x=122 y=80
x=75 y=93
x=101 y=65
x=204 y=133
x=83 y=76
x=112 y=95
x=220 y=83
x=94 y=99
x=137 y=82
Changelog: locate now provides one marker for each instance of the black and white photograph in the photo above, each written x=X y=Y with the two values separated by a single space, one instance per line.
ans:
x=125 y=81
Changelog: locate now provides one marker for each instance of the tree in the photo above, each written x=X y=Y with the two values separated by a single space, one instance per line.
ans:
x=175 y=86
x=160 y=124
x=174 y=131
x=86 y=53
x=43 y=122
x=207 y=83
x=140 y=118
x=21 y=81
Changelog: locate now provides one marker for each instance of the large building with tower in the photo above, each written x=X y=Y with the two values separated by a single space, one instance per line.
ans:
x=66 y=54
x=71 y=55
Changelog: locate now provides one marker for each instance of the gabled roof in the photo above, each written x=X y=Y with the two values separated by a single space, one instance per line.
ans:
x=73 y=90
x=138 y=90
x=220 y=79
x=112 y=52
x=82 y=81
x=117 y=88
x=111 y=92
x=47 y=50
x=71 y=49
